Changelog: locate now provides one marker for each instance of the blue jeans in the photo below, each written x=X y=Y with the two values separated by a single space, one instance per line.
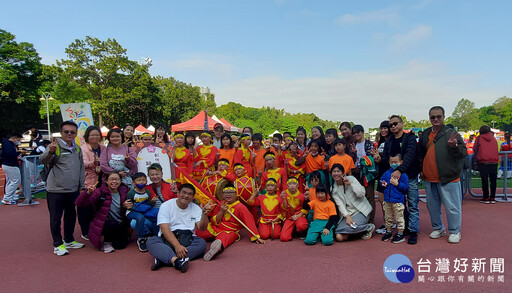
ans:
x=449 y=195
x=143 y=226
x=413 y=198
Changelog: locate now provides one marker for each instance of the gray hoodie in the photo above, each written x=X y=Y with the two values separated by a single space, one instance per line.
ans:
x=67 y=173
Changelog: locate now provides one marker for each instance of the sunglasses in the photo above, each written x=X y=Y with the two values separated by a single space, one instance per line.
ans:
x=394 y=124
x=69 y=132
x=433 y=117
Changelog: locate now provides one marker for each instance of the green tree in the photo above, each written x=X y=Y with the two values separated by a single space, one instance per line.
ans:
x=20 y=68
x=465 y=116
x=97 y=65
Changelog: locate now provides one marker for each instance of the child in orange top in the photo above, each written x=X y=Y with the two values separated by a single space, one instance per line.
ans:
x=313 y=160
x=324 y=219
x=182 y=157
x=258 y=155
x=205 y=157
x=278 y=174
x=295 y=213
x=341 y=158
x=244 y=155
x=224 y=227
x=226 y=151
x=271 y=206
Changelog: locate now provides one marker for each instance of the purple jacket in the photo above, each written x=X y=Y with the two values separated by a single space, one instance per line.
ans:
x=110 y=157
x=100 y=218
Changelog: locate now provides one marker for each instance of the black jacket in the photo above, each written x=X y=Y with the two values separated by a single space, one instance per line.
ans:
x=409 y=152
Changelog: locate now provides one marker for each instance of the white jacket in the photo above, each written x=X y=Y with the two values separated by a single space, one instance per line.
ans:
x=353 y=194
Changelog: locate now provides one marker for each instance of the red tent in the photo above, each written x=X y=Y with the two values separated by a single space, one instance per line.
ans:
x=141 y=129
x=194 y=124
x=228 y=126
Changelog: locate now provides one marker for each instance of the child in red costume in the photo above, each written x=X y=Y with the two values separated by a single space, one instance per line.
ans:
x=276 y=173
x=295 y=213
x=182 y=157
x=213 y=177
x=245 y=188
x=244 y=154
x=271 y=205
x=224 y=227
x=205 y=157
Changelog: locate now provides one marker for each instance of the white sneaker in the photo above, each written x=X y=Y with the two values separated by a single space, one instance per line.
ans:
x=438 y=233
x=454 y=238
x=60 y=250
x=74 y=245
x=107 y=247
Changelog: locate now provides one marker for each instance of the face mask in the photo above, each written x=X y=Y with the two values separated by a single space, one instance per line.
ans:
x=140 y=186
x=17 y=142
x=394 y=166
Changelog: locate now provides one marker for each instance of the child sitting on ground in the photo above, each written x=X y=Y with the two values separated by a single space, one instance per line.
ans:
x=142 y=210
x=394 y=199
x=295 y=213
x=324 y=218
x=225 y=228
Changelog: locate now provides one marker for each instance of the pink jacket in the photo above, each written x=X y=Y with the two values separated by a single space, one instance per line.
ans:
x=111 y=156
x=90 y=164
x=486 y=149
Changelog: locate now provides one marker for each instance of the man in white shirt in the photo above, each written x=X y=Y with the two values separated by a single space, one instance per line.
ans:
x=177 y=242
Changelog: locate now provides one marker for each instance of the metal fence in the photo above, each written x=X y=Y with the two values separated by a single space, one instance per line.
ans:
x=474 y=180
x=31 y=182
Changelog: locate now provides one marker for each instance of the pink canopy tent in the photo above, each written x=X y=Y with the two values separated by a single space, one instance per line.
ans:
x=194 y=124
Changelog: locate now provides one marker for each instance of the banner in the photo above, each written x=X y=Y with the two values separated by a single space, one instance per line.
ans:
x=80 y=113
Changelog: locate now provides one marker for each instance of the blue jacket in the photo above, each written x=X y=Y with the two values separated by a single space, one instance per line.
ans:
x=395 y=194
x=9 y=153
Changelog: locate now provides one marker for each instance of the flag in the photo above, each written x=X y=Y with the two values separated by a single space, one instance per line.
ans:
x=202 y=196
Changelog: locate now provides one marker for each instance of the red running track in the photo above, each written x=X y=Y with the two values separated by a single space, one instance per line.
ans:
x=29 y=265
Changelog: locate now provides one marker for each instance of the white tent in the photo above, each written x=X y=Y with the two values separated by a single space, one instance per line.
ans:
x=270 y=135
x=104 y=130
x=151 y=128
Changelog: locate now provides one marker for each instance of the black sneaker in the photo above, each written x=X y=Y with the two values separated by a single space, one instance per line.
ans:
x=399 y=238
x=387 y=236
x=141 y=242
x=157 y=265
x=492 y=200
x=181 y=264
x=485 y=200
x=413 y=238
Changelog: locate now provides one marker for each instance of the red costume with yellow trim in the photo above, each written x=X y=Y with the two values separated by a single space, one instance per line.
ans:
x=244 y=156
x=279 y=174
x=295 y=202
x=210 y=182
x=295 y=171
x=183 y=158
x=271 y=209
x=207 y=154
x=227 y=229
x=244 y=189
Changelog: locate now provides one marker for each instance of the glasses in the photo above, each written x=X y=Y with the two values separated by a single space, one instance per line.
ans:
x=433 y=117
x=394 y=124
x=69 y=132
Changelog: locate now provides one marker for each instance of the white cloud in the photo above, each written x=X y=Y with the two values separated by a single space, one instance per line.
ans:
x=362 y=97
x=388 y=15
x=402 y=42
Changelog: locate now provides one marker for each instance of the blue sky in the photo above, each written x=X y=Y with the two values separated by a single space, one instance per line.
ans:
x=359 y=61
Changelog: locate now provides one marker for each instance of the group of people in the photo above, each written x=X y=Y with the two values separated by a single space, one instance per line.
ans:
x=319 y=189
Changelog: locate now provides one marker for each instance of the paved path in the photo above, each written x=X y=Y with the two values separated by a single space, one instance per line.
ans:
x=28 y=264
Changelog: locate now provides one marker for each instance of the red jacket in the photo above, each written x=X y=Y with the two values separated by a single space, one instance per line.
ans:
x=486 y=149
x=166 y=191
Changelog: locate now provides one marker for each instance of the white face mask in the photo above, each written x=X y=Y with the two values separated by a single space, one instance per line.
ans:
x=17 y=142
